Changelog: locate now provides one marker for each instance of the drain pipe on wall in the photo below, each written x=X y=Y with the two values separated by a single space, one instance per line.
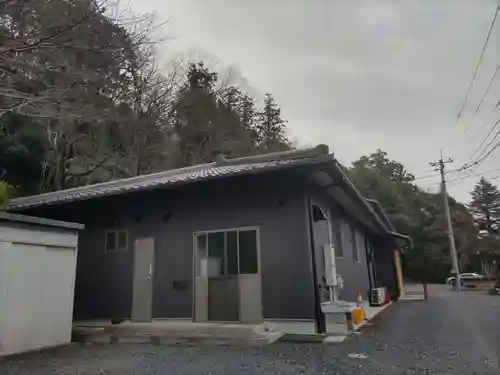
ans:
x=334 y=297
x=320 y=318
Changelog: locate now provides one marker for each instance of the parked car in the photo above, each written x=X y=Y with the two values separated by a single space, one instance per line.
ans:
x=468 y=276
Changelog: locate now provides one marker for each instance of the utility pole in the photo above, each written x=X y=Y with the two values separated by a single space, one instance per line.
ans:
x=453 y=251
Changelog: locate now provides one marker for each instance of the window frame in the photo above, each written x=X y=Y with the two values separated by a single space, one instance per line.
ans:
x=355 y=249
x=337 y=237
x=116 y=233
x=362 y=245
x=237 y=229
x=347 y=239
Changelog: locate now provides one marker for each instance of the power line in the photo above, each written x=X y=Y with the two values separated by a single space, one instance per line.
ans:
x=486 y=91
x=478 y=63
x=482 y=158
x=489 y=152
x=436 y=174
x=492 y=79
x=479 y=159
x=484 y=141
x=460 y=178
x=489 y=143
x=427 y=176
x=487 y=120
x=474 y=175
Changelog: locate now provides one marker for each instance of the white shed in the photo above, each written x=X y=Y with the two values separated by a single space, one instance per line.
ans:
x=37 y=279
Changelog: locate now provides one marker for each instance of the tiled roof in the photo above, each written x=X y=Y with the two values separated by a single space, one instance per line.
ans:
x=381 y=213
x=221 y=168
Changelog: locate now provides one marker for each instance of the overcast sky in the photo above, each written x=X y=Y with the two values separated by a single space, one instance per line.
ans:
x=358 y=75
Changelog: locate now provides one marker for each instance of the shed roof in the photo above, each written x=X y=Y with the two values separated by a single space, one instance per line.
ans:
x=25 y=219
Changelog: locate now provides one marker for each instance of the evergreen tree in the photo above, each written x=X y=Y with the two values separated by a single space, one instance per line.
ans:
x=23 y=148
x=207 y=121
x=485 y=206
x=194 y=115
x=271 y=127
x=248 y=115
x=418 y=214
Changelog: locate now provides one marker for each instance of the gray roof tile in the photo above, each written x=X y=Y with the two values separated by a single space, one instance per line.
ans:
x=223 y=168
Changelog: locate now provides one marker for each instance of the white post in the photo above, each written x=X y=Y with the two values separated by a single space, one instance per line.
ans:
x=332 y=288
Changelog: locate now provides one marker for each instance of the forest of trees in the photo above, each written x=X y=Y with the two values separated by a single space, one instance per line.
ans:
x=83 y=101
x=420 y=214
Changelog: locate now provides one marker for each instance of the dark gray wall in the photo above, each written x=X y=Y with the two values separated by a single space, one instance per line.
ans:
x=386 y=268
x=273 y=202
x=321 y=238
x=355 y=274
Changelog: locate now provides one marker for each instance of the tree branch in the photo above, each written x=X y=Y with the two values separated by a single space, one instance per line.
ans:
x=26 y=46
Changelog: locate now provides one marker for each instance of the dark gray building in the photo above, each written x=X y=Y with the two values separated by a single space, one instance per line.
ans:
x=235 y=240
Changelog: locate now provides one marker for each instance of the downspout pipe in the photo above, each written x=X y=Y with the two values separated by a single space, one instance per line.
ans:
x=369 y=260
x=319 y=316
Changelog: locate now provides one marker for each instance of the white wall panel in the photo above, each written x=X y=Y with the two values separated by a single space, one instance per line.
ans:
x=36 y=288
x=39 y=235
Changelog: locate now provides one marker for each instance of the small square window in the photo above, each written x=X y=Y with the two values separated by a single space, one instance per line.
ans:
x=116 y=241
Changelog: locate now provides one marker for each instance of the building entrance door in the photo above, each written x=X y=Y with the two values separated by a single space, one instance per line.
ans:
x=142 y=299
x=227 y=281
x=223 y=300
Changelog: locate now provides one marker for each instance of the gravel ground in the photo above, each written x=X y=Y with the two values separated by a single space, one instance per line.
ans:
x=449 y=334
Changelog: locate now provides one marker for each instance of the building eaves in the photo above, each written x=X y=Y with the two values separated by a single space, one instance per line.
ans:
x=219 y=169
x=381 y=213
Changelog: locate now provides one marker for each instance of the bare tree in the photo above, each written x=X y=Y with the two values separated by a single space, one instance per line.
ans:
x=41 y=60
x=92 y=83
x=146 y=141
x=66 y=60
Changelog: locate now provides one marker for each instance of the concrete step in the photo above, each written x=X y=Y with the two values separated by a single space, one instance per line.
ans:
x=175 y=333
x=179 y=340
x=410 y=297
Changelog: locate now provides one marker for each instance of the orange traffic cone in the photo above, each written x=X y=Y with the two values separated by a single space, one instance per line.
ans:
x=359 y=300
x=359 y=313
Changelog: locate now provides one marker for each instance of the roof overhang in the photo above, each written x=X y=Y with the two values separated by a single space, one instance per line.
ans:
x=320 y=166
x=222 y=168
x=332 y=179
x=402 y=241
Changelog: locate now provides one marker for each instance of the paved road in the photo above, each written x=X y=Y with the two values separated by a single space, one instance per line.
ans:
x=449 y=334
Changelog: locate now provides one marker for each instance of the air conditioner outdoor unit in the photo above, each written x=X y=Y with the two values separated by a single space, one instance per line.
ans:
x=377 y=296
